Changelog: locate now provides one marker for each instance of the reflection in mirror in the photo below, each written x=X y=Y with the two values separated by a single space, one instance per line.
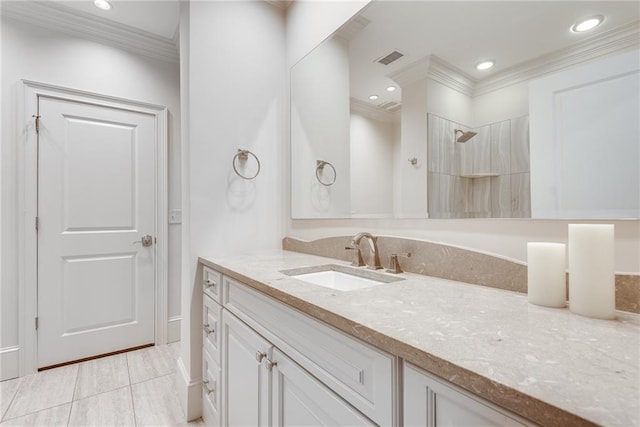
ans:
x=550 y=131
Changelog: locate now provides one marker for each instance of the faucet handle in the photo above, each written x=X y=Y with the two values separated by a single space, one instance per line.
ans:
x=358 y=261
x=394 y=264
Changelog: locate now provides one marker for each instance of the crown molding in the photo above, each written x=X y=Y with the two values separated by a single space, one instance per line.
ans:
x=614 y=41
x=617 y=40
x=416 y=71
x=370 y=111
x=60 y=18
x=445 y=73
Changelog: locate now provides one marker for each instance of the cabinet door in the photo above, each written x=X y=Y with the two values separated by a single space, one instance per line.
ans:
x=299 y=399
x=245 y=381
x=433 y=403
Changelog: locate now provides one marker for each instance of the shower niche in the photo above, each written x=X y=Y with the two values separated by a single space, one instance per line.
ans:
x=486 y=176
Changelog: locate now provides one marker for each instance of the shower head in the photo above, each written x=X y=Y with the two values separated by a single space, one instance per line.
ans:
x=465 y=135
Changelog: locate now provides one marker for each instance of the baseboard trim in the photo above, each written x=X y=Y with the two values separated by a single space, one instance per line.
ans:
x=9 y=362
x=173 y=329
x=189 y=392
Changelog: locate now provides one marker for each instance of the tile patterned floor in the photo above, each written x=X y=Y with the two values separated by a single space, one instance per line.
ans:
x=130 y=389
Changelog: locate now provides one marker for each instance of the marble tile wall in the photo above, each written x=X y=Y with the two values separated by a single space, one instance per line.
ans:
x=501 y=197
x=478 y=149
x=520 y=145
x=501 y=143
x=520 y=195
x=481 y=197
x=500 y=148
x=448 y=196
x=449 y=262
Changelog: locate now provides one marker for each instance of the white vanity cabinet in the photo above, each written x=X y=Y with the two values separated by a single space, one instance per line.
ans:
x=211 y=317
x=268 y=364
x=261 y=386
x=432 y=402
x=245 y=376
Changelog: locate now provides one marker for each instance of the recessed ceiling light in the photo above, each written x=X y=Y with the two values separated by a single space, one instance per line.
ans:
x=102 y=4
x=485 y=65
x=373 y=97
x=391 y=88
x=587 y=24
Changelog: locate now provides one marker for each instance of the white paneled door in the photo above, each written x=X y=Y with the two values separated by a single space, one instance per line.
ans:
x=96 y=203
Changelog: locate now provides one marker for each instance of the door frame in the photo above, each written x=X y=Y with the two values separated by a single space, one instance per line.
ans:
x=27 y=204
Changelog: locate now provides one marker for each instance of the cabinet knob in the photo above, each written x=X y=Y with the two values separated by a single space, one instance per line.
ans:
x=271 y=364
x=260 y=355
x=207 y=389
x=209 y=330
x=209 y=283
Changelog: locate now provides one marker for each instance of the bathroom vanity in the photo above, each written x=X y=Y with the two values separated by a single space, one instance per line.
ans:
x=279 y=350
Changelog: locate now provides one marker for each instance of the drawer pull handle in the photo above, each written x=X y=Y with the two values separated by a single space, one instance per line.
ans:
x=209 y=330
x=271 y=364
x=209 y=283
x=209 y=390
x=260 y=355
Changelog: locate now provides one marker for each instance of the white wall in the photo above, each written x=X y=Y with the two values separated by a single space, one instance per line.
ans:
x=234 y=76
x=44 y=56
x=413 y=133
x=320 y=127
x=310 y=22
x=448 y=103
x=504 y=237
x=506 y=103
x=585 y=140
x=372 y=150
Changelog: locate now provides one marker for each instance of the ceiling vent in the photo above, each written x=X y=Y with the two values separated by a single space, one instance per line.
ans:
x=390 y=106
x=388 y=59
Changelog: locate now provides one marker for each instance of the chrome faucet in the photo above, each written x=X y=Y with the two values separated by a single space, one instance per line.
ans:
x=373 y=259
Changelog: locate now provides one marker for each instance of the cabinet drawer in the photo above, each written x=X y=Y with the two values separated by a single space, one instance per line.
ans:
x=359 y=373
x=212 y=283
x=210 y=390
x=211 y=314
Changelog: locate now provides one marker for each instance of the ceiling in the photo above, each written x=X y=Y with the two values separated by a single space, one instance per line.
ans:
x=159 y=17
x=462 y=33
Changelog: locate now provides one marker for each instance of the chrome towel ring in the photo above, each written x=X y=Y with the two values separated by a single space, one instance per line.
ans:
x=243 y=156
x=320 y=164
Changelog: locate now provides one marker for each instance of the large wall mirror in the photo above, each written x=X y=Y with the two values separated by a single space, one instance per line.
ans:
x=391 y=118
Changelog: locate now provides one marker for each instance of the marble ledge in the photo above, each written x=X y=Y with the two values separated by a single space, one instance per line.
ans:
x=547 y=365
x=453 y=263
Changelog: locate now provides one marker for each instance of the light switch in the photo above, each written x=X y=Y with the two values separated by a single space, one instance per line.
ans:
x=175 y=216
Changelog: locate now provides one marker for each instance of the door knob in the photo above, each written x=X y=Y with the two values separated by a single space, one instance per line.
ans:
x=146 y=241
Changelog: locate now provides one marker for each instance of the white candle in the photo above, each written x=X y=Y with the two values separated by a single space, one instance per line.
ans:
x=591 y=277
x=546 y=276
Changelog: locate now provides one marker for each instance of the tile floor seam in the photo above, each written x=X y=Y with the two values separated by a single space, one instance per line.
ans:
x=6 y=411
x=133 y=406
x=41 y=410
x=73 y=396
x=101 y=393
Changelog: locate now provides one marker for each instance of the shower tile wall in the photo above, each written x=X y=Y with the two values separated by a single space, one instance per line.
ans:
x=458 y=185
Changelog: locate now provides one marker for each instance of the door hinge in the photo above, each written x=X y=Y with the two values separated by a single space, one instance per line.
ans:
x=37 y=117
x=37 y=223
x=36 y=323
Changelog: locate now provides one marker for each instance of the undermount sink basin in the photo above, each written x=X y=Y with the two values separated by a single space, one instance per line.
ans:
x=340 y=277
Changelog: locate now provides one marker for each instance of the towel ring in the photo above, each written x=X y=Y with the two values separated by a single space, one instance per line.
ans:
x=320 y=164
x=243 y=155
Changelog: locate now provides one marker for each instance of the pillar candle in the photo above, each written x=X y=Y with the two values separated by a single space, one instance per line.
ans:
x=546 y=276
x=591 y=275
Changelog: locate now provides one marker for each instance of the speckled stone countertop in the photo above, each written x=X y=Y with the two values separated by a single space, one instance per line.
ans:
x=548 y=365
